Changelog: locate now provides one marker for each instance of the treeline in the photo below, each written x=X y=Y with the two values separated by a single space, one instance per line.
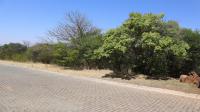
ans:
x=144 y=43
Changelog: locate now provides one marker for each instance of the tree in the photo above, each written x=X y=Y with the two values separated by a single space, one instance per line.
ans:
x=76 y=26
x=141 y=44
x=193 y=39
x=163 y=52
x=115 y=46
x=173 y=29
x=80 y=38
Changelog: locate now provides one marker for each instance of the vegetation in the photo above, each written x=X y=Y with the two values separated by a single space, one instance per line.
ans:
x=144 y=43
x=13 y=51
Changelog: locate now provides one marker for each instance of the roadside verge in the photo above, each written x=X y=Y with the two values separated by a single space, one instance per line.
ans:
x=95 y=76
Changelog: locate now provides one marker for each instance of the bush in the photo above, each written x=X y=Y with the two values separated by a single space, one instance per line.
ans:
x=78 y=53
x=13 y=51
x=20 y=57
x=41 y=53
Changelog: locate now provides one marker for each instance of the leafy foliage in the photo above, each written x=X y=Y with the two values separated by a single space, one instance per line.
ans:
x=41 y=53
x=144 y=43
x=193 y=39
x=13 y=51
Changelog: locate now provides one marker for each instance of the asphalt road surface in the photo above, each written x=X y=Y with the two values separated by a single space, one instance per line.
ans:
x=26 y=90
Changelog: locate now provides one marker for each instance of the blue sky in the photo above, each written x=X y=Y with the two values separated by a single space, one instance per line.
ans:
x=31 y=19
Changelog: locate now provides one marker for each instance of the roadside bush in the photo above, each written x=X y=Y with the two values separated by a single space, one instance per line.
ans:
x=13 y=51
x=78 y=53
x=41 y=53
x=20 y=57
x=65 y=56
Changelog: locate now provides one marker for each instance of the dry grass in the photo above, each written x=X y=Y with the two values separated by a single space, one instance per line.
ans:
x=54 y=68
x=172 y=84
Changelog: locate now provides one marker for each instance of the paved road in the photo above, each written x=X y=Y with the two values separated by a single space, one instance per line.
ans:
x=25 y=90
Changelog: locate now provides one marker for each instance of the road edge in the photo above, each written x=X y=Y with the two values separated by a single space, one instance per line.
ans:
x=121 y=84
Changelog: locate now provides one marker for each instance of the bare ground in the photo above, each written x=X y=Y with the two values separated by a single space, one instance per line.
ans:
x=172 y=84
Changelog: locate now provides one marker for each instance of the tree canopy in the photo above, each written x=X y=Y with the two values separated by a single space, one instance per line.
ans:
x=141 y=44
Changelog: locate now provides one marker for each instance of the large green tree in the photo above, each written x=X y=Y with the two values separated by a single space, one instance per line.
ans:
x=143 y=44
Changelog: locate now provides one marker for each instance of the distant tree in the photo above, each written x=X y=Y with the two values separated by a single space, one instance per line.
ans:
x=80 y=37
x=27 y=43
x=7 y=51
x=75 y=26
